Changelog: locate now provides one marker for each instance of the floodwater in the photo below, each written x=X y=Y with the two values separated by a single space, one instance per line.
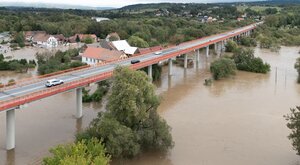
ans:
x=235 y=121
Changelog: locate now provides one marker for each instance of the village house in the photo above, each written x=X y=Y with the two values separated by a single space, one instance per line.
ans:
x=123 y=45
x=42 y=39
x=94 y=55
x=99 y=19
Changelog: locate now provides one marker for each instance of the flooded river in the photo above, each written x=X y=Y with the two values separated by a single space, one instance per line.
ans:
x=235 y=121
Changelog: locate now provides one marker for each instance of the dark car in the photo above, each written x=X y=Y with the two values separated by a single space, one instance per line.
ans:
x=135 y=61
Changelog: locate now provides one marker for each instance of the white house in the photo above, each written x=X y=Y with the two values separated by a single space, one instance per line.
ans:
x=123 y=45
x=45 y=41
x=93 y=55
x=99 y=19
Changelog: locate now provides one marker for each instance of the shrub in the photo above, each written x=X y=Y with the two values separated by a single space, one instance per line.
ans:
x=245 y=60
x=248 y=41
x=231 y=46
x=85 y=152
x=297 y=67
x=293 y=123
x=222 y=68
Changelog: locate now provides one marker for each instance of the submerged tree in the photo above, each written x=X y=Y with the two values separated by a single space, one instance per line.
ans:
x=297 y=67
x=131 y=123
x=294 y=124
x=222 y=68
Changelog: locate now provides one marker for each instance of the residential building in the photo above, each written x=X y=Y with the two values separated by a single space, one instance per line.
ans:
x=94 y=55
x=99 y=19
x=44 y=40
x=123 y=45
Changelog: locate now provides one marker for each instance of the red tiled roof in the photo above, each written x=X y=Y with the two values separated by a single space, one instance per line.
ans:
x=102 y=54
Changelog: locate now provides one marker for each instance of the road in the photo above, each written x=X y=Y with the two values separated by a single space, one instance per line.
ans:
x=19 y=91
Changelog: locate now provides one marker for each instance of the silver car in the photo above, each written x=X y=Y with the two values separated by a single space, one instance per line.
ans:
x=53 y=82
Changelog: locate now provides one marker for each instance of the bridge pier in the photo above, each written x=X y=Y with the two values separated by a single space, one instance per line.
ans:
x=198 y=55
x=10 y=129
x=207 y=51
x=185 y=61
x=78 y=103
x=170 y=67
x=150 y=72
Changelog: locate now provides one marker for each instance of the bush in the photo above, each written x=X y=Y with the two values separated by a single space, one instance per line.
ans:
x=97 y=96
x=248 y=41
x=297 y=67
x=245 y=60
x=88 y=40
x=231 y=46
x=293 y=120
x=85 y=152
x=222 y=68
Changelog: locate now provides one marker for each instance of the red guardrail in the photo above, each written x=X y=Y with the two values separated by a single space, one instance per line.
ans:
x=4 y=105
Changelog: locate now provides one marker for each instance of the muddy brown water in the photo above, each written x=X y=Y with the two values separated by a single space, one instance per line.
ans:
x=235 y=121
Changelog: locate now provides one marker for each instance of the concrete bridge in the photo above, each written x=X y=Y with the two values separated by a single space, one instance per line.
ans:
x=21 y=94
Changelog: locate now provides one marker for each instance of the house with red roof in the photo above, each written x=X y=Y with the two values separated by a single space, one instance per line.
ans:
x=93 y=55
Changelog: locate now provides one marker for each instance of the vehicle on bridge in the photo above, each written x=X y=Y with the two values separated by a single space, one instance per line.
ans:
x=158 y=53
x=53 y=82
x=135 y=61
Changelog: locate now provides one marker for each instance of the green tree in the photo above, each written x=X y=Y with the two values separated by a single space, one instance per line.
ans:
x=222 y=68
x=246 y=61
x=231 y=46
x=1 y=57
x=293 y=120
x=83 y=153
x=138 y=42
x=20 y=39
x=77 y=38
x=248 y=41
x=88 y=40
x=131 y=123
x=297 y=67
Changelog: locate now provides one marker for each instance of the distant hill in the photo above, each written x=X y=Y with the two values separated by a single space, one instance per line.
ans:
x=51 y=5
x=283 y=1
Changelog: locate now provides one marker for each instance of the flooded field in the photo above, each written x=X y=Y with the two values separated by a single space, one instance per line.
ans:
x=235 y=121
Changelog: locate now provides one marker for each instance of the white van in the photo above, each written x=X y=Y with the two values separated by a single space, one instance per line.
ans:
x=53 y=82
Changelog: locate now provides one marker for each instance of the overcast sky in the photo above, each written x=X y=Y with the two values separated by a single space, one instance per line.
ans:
x=115 y=3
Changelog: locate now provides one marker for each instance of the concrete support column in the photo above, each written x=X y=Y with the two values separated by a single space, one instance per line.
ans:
x=10 y=129
x=170 y=67
x=198 y=55
x=207 y=51
x=222 y=46
x=185 y=61
x=216 y=47
x=150 y=72
x=78 y=103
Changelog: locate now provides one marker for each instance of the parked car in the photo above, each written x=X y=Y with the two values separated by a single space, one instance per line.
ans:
x=53 y=82
x=135 y=61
